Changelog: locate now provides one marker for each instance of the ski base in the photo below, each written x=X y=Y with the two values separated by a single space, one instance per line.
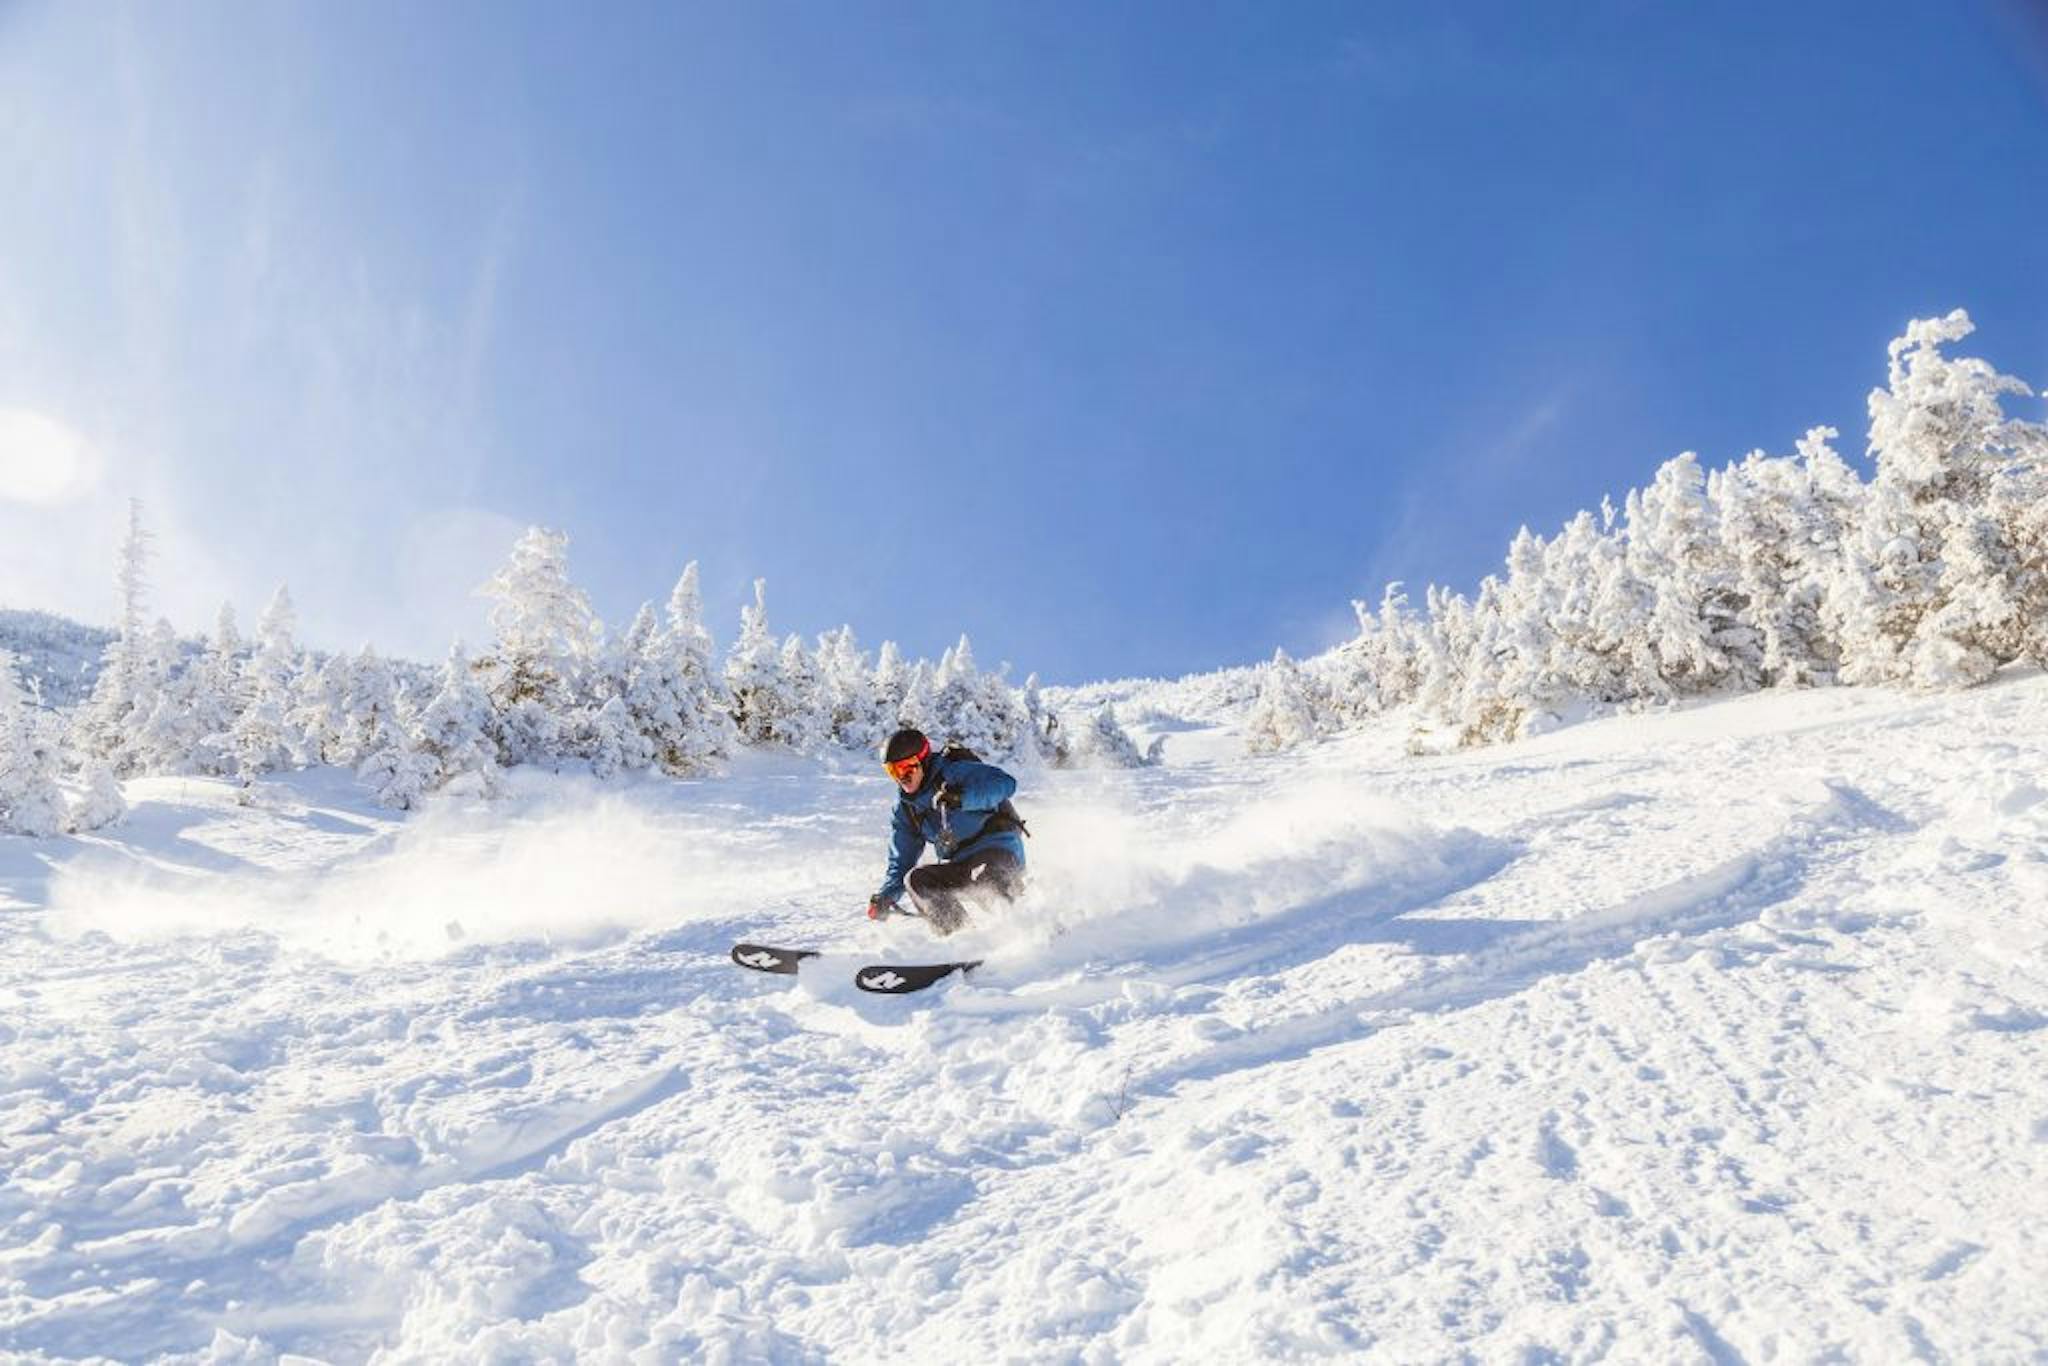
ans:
x=898 y=979
x=762 y=958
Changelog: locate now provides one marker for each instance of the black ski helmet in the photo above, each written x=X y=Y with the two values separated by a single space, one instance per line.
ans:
x=905 y=744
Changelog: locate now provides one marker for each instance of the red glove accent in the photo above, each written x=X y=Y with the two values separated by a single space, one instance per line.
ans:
x=878 y=909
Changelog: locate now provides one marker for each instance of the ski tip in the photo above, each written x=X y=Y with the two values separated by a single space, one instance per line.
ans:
x=764 y=958
x=900 y=979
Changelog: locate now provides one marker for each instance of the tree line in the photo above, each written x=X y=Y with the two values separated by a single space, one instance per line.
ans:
x=554 y=687
x=1771 y=572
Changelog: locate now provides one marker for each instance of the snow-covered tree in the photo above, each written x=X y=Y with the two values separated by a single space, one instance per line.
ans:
x=369 y=713
x=753 y=674
x=704 y=703
x=966 y=710
x=102 y=803
x=399 y=772
x=453 y=731
x=210 y=695
x=891 y=688
x=1782 y=524
x=263 y=737
x=122 y=699
x=1102 y=742
x=162 y=740
x=800 y=722
x=320 y=712
x=1673 y=547
x=1938 y=581
x=547 y=638
x=1048 y=745
x=31 y=761
x=860 y=720
x=617 y=744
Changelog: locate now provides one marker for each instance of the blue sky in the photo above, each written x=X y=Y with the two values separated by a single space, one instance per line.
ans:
x=1128 y=339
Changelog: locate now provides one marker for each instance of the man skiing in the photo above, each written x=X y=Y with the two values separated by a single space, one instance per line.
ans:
x=961 y=807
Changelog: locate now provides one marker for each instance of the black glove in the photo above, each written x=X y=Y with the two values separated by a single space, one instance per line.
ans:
x=947 y=796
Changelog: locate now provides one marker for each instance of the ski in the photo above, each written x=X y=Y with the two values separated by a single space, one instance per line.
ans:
x=897 y=979
x=762 y=958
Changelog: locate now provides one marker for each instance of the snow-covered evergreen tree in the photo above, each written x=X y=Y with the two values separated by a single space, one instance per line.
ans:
x=965 y=710
x=891 y=688
x=121 y=701
x=31 y=761
x=617 y=743
x=708 y=732
x=859 y=720
x=453 y=731
x=800 y=722
x=1938 y=581
x=753 y=674
x=1284 y=715
x=1693 y=630
x=547 y=638
x=919 y=706
x=399 y=772
x=320 y=712
x=211 y=696
x=102 y=803
x=263 y=738
x=1102 y=742
x=163 y=740
x=1047 y=744
x=369 y=712
x=666 y=698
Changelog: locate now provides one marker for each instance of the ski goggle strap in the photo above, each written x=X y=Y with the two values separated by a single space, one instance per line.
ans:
x=900 y=768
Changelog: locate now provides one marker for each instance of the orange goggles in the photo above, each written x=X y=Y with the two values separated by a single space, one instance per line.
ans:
x=899 y=769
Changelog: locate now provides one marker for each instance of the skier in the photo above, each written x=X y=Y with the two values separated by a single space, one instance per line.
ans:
x=961 y=807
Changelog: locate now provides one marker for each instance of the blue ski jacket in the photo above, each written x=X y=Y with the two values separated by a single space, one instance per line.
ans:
x=961 y=833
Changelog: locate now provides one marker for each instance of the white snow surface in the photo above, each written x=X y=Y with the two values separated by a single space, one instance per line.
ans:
x=1714 y=1035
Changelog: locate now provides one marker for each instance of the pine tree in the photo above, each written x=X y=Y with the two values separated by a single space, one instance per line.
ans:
x=753 y=674
x=102 y=803
x=703 y=705
x=31 y=761
x=618 y=745
x=320 y=712
x=163 y=739
x=961 y=709
x=891 y=688
x=399 y=771
x=369 y=712
x=547 y=638
x=858 y=721
x=1938 y=584
x=263 y=738
x=800 y=723
x=1284 y=716
x=212 y=696
x=1104 y=743
x=120 y=701
x=1047 y=744
x=1672 y=547
x=453 y=731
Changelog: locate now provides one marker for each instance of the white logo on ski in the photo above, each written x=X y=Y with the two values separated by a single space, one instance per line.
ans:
x=883 y=981
x=760 y=959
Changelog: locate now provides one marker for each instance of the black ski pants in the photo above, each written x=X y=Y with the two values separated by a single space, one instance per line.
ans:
x=946 y=892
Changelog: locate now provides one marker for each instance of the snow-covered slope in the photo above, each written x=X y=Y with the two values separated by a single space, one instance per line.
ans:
x=1713 y=1035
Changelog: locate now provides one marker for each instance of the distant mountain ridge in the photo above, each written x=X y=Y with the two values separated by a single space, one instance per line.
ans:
x=58 y=658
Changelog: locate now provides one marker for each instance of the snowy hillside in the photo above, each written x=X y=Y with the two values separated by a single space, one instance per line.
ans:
x=1718 y=1034
x=59 y=657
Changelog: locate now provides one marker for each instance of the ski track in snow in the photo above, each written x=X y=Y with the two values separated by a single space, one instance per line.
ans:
x=1715 y=1035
